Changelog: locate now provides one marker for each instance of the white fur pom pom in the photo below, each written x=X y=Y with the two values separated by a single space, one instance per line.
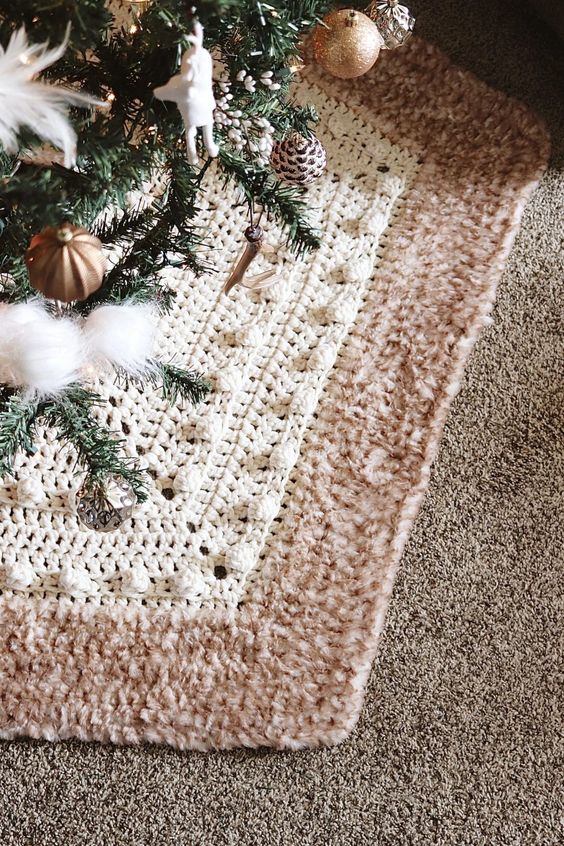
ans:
x=38 y=352
x=123 y=336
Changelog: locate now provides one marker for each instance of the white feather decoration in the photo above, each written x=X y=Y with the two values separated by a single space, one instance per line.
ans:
x=122 y=336
x=38 y=352
x=40 y=106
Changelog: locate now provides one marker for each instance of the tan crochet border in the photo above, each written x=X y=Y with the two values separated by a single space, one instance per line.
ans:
x=289 y=668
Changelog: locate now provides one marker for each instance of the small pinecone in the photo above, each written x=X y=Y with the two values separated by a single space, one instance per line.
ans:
x=298 y=160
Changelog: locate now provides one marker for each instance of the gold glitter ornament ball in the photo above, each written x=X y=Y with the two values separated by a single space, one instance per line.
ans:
x=346 y=44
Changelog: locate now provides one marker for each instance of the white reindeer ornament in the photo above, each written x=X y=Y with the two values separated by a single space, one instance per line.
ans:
x=192 y=91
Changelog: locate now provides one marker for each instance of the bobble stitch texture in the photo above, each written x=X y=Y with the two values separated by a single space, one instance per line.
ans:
x=30 y=491
x=322 y=357
x=283 y=456
x=241 y=559
x=222 y=468
x=18 y=576
x=263 y=508
x=75 y=581
x=189 y=582
x=135 y=581
x=188 y=480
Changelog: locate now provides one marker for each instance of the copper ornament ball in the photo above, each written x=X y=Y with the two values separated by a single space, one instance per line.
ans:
x=346 y=44
x=65 y=263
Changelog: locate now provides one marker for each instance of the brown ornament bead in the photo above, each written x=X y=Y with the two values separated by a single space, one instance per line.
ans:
x=65 y=263
x=346 y=44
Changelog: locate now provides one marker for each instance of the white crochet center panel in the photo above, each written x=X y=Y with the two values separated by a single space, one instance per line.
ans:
x=220 y=470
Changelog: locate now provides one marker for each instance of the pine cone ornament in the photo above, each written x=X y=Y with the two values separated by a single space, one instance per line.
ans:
x=298 y=160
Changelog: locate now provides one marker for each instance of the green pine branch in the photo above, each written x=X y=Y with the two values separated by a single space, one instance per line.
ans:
x=119 y=151
x=99 y=451
x=18 y=417
x=181 y=384
x=173 y=382
x=280 y=200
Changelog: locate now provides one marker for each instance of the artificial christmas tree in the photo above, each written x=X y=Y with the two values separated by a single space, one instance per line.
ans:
x=95 y=204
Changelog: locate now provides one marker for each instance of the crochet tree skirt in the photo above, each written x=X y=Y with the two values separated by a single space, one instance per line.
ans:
x=243 y=603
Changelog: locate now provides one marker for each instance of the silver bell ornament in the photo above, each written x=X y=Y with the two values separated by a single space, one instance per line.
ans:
x=298 y=160
x=105 y=509
x=395 y=22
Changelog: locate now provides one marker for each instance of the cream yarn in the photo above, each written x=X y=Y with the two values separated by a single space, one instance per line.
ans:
x=222 y=470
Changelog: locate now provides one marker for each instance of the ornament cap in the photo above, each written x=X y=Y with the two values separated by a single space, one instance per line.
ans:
x=64 y=234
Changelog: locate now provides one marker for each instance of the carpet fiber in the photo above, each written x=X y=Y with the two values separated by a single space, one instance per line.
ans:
x=457 y=743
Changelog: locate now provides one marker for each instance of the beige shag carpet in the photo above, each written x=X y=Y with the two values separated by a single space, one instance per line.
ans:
x=459 y=738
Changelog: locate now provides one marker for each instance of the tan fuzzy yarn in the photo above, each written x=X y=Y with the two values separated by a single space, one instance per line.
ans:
x=276 y=651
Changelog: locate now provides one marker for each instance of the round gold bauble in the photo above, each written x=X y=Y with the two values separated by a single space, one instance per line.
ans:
x=65 y=263
x=346 y=44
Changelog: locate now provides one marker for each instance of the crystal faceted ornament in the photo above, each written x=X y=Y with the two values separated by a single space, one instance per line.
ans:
x=105 y=509
x=395 y=22
x=298 y=160
x=346 y=43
